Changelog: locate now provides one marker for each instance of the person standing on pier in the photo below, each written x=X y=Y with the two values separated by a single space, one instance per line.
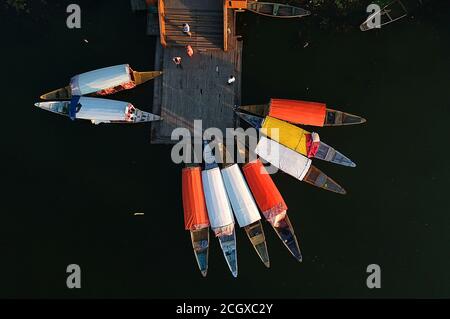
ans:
x=177 y=61
x=189 y=51
x=187 y=29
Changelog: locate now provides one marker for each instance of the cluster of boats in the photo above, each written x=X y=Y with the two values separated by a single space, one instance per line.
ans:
x=214 y=196
x=80 y=99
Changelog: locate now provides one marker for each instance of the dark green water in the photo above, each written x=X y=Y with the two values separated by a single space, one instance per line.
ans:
x=70 y=188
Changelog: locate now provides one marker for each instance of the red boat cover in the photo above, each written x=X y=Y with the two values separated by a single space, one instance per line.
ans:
x=298 y=112
x=195 y=213
x=266 y=194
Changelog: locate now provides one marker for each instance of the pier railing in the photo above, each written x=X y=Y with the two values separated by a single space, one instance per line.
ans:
x=162 y=22
x=225 y=25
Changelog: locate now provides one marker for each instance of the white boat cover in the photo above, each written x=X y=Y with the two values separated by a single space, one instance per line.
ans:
x=101 y=79
x=102 y=109
x=241 y=199
x=219 y=209
x=289 y=161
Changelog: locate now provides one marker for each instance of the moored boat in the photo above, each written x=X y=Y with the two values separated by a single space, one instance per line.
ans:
x=391 y=12
x=103 y=81
x=98 y=110
x=271 y=204
x=195 y=215
x=297 y=139
x=219 y=211
x=276 y=10
x=245 y=209
x=303 y=112
x=295 y=164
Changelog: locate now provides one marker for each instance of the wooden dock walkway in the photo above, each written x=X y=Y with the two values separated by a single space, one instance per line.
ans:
x=198 y=91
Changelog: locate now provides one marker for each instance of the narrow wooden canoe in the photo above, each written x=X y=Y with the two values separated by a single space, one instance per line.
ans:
x=269 y=200
x=219 y=209
x=243 y=204
x=98 y=110
x=331 y=117
x=195 y=214
x=391 y=12
x=276 y=10
x=103 y=81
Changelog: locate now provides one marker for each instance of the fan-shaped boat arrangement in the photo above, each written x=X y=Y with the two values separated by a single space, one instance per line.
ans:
x=219 y=193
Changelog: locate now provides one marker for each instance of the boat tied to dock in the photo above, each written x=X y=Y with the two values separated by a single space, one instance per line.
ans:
x=276 y=10
x=303 y=112
x=219 y=210
x=295 y=164
x=98 y=110
x=244 y=208
x=271 y=204
x=102 y=81
x=195 y=215
x=267 y=196
x=297 y=139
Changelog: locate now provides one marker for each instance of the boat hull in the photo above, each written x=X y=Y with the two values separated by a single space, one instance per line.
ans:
x=200 y=244
x=338 y=118
x=316 y=177
x=99 y=111
x=228 y=246
x=390 y=13
x=329 y=154
x=255 y=233
x=276 y=10
x=285 y=232
x=59 y=94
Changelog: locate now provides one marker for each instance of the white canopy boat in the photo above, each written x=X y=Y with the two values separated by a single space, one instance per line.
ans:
x=245 y=210
x=98 y=110
x=219 y=210
x=103 y=81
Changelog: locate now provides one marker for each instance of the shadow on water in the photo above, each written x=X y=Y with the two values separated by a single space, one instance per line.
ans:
x=72 y=187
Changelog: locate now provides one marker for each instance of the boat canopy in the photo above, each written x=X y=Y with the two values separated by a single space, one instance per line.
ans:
x=298 y=112
x=283 y=158
x=264 y=190
x=217 y=203
x=195 y=214
x=99 y=110
x=289 y=135
x=241 y=199
x=101 y=79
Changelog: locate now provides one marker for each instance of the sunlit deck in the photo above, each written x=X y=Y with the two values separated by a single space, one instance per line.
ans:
x=199 y=90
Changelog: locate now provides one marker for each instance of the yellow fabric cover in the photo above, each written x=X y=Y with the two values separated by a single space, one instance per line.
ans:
x=290 y=135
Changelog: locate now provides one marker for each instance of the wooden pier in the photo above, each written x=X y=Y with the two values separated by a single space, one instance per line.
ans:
x=198 y=91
